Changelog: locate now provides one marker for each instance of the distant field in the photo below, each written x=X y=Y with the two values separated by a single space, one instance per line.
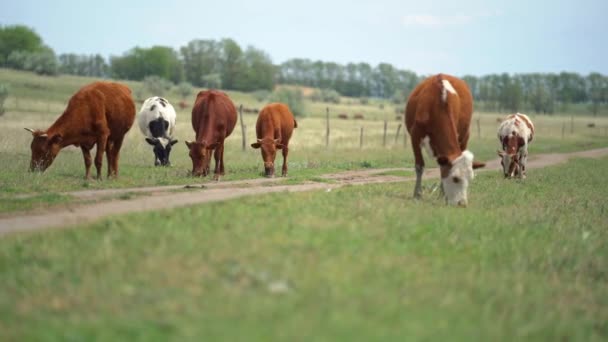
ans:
x=37 y=101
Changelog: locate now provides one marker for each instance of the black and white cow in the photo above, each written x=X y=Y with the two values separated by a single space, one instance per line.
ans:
x=156 y=120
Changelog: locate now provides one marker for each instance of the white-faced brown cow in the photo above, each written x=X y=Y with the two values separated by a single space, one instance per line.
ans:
x=515 y=134
x=438 y=116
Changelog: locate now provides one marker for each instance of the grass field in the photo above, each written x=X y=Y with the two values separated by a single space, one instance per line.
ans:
x=526 y=261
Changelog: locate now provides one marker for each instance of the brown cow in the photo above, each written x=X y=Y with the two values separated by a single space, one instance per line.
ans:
x=273 y=129
x=438 y=116
x=343 y=116
x=359 y=116
x=100 y=113
x=213 y=120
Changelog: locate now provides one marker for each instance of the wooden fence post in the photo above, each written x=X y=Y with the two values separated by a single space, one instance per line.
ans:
x=563 y=130
x=327 y=131
x=405 y=137
x=243 y=128
x=571 y=124
x=397 y=134
x=361 y=138
x=384 y=136
x=478 y=128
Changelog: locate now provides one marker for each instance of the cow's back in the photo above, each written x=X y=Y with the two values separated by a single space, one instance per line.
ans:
x=103 y=101
x=275 y=117
x=213 y=116
x=425 y=100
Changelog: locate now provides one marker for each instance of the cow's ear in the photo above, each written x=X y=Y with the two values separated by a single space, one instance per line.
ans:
x=152 y=141
x=174 y=141
x=55 y=139
x=188 y=143
x=256 y=145
x=443 y=161
x=478 y=165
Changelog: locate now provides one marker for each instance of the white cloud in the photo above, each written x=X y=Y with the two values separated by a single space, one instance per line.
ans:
x=436 y=21
x=441 y=21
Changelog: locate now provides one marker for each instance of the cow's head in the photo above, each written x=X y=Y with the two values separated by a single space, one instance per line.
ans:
x=269 y=151
x=44 y=149
x=162 y=150
x=456 y=176
x=200 y=153
x=509 y=158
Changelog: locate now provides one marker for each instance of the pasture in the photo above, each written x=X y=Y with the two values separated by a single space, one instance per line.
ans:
x=526 y=260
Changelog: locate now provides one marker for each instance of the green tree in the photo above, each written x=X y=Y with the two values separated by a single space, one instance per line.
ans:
x=257 y=71
x=138 y=63
x=293 y=98
x=83 y=65
x=18 y=38
x=232 y=63
x=597 y=88
x=201 y=58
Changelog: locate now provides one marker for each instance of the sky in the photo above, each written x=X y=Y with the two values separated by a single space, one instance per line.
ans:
x=430 y=36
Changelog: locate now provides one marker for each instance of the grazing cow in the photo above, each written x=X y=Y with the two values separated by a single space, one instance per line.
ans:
x=273 y=129
x=343 y=116
x=438 y=115
x=515 y=134
x=359 y=116
x=156 y=121
x=213 y=120
x=100 y=113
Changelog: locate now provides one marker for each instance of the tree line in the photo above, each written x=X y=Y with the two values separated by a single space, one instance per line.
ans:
x=225 y=64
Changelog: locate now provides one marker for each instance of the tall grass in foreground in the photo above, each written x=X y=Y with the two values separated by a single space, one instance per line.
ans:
x=526 y=261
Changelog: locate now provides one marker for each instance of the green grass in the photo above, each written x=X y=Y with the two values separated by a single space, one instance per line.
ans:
x=39 y=201
x=36 y=101
x=526 y=261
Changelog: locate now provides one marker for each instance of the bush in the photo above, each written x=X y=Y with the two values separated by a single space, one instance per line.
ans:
x=261 y=95
x=184 y=89
x=213 y=81
x=4 y=91
x=325 y=95
x=156 y=85
x=43 y=62
x=363 y=100
x=292 y=98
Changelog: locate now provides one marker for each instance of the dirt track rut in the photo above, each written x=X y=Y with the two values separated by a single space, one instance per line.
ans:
x=166 y=197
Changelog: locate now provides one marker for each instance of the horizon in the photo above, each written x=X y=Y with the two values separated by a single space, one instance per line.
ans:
x=563 y=38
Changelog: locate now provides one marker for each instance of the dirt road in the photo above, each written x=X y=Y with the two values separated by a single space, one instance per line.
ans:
x=167 y=197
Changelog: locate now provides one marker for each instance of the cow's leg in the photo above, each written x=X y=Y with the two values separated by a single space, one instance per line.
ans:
x=285 y=152
x=219 y=162
x=86 y=153
x=109 y=156
x=102 y=141
x=419 y=165
x=115 y=153
x=523 y=164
